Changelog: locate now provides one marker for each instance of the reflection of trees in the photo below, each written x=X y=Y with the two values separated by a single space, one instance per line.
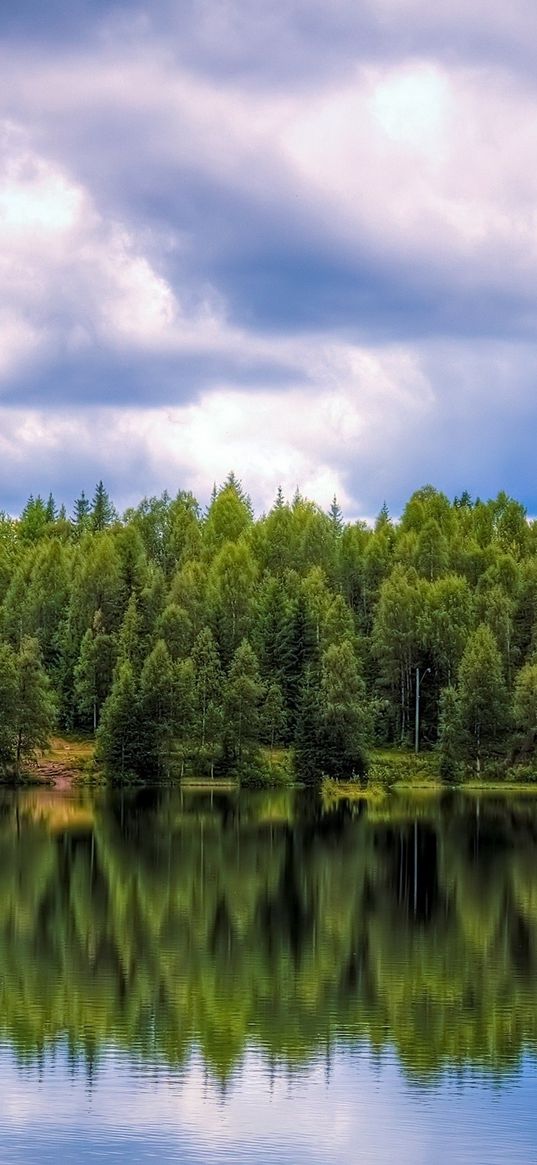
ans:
x=160 y=923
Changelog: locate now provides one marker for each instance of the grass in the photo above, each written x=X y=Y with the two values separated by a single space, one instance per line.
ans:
x=77 y=751
x=399 y=768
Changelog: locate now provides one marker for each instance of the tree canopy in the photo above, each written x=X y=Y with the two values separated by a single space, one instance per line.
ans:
x=213 y=633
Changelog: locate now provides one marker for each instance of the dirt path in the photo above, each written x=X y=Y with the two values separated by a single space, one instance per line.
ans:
x=62 y=764
x=60 y=775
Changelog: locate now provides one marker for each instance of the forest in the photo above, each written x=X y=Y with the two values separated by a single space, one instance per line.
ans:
x=291 y=644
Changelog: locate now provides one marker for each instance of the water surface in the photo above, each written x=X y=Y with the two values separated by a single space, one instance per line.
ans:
x=196 y=978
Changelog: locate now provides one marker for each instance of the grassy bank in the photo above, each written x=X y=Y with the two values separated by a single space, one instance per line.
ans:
x=70 y=760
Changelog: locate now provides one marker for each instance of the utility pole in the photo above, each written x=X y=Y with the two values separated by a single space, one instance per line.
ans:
x=418 y=691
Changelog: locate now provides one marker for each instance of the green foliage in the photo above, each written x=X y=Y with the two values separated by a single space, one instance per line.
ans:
x=102 y=512
x=208 y=691
x=451 y=735
x=482 y=693
x=345 y=718
x=119 y=744
x=35 y=709
x=243 y=695
x=450 y=589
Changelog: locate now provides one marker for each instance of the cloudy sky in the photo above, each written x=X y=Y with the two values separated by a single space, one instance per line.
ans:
x=297 y=239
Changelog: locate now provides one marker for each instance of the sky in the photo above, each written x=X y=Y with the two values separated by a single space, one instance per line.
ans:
x=296 y=239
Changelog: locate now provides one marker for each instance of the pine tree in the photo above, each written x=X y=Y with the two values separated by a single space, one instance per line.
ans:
x=525 y=705
x=175 y=628
x=243 y=695
x=482 y=693
x=50 y=509
x=82 y=512
x=301 y=655
x=93 y=672
x=273 y=716
x=130 y=640
x=102 y=510
x=34 y=521
x=9 y=683
x=157 y=708
x=308 y=759
x=345 y=720
x=452 y=739
x=208 y=692
x=118 y=737
x=35 y=705
x=336 y=516
x=184 y=708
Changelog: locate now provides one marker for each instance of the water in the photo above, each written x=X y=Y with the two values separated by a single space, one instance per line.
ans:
x=187 y=978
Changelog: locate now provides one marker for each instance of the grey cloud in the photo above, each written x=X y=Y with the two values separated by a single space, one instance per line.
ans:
x=220 y=210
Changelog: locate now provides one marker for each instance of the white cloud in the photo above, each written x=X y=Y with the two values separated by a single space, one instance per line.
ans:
x=310 y=437
x=418 y=162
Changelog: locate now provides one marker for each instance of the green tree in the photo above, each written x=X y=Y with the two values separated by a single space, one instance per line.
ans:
x=35 y=706
x=230 y=593
x=452 y=738
x=118 y=736
x=273 y=715
x=94 y=671
x=175 y=628
x=344 y=713
x=34 y=520
x=184 y=706
x=432 y=551
x=483 y=694
x=103 y=513
x=229 y=516
x=9 y=685
x=243 y=695
x=157 y=708
x=208 y=692
x=397 y=639
x=82 y=513
x=525 y=704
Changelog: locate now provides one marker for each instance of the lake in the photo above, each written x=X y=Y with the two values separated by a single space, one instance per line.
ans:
x=187 y=977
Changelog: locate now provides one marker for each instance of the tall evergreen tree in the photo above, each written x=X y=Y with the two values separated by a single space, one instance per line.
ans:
x=119 y=733
x=35 y=705
x=157 y=709
x=208 y=693
x=483 y=693
x=345 y=719
x=243 y=695
x=82 y=512
x=102 y=510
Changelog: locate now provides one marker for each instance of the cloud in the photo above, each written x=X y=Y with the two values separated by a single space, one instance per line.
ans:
x=196 y=228
x=309 y=436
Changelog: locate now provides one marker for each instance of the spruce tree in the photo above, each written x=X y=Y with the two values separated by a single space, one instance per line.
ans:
x=157 y=709
x=273 y=716
x=452 y=739
x=208 y=693
x=345 y=719
x=82 y=512
x=102 y=510
x=9 y=684
x=483 y=694
x=243 y=694
x=119 y=733
x=93 y=672
x=35 y=705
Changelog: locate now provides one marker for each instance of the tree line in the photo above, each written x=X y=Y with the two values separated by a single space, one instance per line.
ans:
x=211 y=640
